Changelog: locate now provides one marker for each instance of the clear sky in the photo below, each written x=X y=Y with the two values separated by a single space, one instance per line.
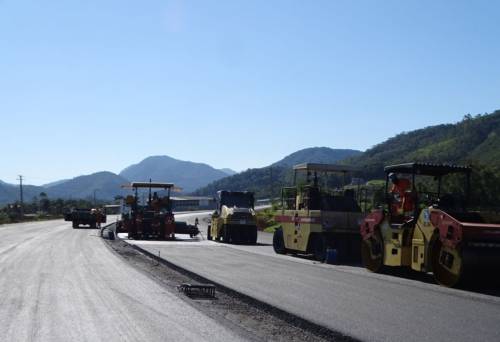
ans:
x=98 y=85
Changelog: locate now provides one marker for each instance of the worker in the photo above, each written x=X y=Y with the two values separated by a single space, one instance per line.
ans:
x=98 y=218
x=403 y=197
x=196 y=222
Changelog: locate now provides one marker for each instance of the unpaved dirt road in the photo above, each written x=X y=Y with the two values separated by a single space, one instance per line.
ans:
x=64 y=284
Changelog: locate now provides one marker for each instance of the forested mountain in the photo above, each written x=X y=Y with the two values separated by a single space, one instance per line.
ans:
x=185 y=174
x=474 y=140
x=269 y=179
x=317 y=155
x=106 y=185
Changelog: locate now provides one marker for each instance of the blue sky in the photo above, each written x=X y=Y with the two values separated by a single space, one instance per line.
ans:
x=98 y=85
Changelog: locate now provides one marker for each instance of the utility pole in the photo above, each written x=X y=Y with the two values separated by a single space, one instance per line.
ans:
x=21 y=195
x=272 y=183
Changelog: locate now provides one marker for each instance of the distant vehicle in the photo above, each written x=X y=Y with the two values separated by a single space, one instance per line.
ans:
x=234 y=219
x=81 y=216
x=317 y=217
x=429 y=229
x=153 y=219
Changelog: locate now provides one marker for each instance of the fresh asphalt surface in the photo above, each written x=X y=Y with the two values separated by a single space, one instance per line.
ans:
x=371 y=307
x=64 y=284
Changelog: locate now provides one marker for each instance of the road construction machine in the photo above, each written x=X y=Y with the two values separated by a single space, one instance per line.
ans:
x=148 y=219
x=319 y=217
x=428 y=227
x=151 y=218
x=234 y=219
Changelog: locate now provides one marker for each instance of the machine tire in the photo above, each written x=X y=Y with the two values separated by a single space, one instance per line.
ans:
x=253 y=237
x=319 y=246
x=75 y=225
x=441 y=274
x=279 y=242
x=93 y=225
x=209 y=235
x=373 y=262
x=226 y=235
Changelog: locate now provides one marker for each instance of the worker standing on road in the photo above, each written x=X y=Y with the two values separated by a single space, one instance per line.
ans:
x=403 y=204
x=98 y=218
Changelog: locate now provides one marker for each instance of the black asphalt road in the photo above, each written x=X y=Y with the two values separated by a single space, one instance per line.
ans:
x=64 y=284
x=348 y=299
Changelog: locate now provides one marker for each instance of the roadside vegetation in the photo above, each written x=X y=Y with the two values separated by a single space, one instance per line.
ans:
x=266 y=219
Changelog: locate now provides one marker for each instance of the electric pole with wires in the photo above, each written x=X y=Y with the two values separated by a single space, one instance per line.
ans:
x=21 y=199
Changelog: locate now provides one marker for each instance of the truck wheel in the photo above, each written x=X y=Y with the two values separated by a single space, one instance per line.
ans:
x=279 y=242
x=253 y=237
x=75 y=225
x=372 y=253
x=209 y=235
x=226 y=234
x=319 y=247
x=92 y=225
x=442 y=263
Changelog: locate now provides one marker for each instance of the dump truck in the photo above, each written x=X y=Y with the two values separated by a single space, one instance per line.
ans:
x=83 y=216
x=151 y=218
x=426 y=225
x=317 y=215
x=234 y=219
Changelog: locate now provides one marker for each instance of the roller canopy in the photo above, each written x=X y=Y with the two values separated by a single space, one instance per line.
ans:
x=427 y=169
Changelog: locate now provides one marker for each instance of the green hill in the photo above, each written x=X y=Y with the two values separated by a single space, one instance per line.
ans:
x=474 y=140
x=270 y=179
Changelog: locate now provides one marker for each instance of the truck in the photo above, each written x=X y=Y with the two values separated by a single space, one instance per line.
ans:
x=83 y=216
x=234 y=219
x=428 y=225
x=320 y=212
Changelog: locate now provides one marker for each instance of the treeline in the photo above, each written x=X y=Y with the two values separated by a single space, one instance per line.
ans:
x=42 y=207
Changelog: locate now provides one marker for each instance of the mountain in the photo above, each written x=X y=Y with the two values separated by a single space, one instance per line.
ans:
x=185 y=174
x=51 y=184
x=323 y=155
x=270 y=179
x=106 y=184
x=474 y=140
x=228 y=171
x=10 y=192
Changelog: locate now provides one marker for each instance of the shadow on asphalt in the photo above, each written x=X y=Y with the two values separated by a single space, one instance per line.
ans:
x=478 y=283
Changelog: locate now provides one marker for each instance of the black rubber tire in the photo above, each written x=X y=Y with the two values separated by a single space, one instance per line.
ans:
x=279 y=242
x=372 y=253
x=209 y=235
x=75 y=225
x=319 y=246
x=253 y=237
x=226 y=235
x=441 y=274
